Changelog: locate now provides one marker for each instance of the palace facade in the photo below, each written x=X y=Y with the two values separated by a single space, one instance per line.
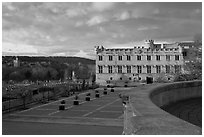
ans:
x=137 y=63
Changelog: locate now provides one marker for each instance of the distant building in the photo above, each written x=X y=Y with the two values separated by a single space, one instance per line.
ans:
x=16 y=62
x=138 y=63
x=190 y=51
x=74 y=77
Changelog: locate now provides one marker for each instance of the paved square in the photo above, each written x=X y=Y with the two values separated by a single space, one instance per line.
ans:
x=106 y=107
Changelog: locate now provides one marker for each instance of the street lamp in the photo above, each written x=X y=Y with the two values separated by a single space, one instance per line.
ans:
x=7 y=91
x=48 y=93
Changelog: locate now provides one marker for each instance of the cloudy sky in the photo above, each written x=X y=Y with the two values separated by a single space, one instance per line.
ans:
x=73 y=29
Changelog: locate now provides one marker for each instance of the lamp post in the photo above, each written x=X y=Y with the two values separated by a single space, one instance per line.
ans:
x=46 y=86
x=24 y=97
x=8 y=92
x=43 y=91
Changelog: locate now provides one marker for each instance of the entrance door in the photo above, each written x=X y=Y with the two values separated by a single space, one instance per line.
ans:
x=149 y=80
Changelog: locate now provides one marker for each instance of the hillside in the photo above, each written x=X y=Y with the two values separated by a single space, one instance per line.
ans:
x=69 y=60
x=46 y=68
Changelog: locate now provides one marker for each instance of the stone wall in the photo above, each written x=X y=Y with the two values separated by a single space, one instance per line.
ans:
x=147 y=118
x=174 y=92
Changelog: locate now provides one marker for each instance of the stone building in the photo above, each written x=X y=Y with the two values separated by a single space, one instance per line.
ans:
x=137 y=63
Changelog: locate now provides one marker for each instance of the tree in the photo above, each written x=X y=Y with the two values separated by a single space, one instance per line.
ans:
x=51 y=73
x=28 y=74
x=198 y=39
x=23 y=93
x=83 y=84
x=6 y=71
x=93 y=79
x=194 y=68
x=39 y=73
x=162 y=78
x=16 y=76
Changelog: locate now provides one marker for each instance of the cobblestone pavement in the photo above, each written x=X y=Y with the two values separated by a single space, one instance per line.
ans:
x=189 y=110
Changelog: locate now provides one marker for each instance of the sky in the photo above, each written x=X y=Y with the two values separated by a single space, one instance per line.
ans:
x=74 y=29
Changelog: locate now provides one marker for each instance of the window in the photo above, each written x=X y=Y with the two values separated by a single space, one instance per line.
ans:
x=139 y=69
x=128 y=57
x=157 y=57
x=167 y=69
x=100 y=58
x=120 y=57
x=138 y=57
x=130 y=78
x=100 y=69
x=120 y=69
x=176 y=57
x=177 y=68
x=184 y=53
x=121 y=78
x=158 y=69
x=148 y=57
x=148 y=69
x=110 y=69
x=111 y=78
x=128 y=69
x=110 y=58
x=168 y=57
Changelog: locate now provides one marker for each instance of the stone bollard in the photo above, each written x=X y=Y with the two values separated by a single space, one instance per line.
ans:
x=105 y=92
x=97 y=95
x=76 y=101
x=88 y=98
x=62 y=105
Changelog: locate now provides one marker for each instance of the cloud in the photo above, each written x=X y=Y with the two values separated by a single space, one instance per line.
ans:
x=65 y=53
x=118 y=45
x=124 y=15
x=118 y=35
x=18 y=48
x=56 y=28
x=102 y=6
x=101 y=29
x=147 y=28
x=79 y=23
x=9 y=6
x=96 y=20
x=75 y=12
x=81 y=53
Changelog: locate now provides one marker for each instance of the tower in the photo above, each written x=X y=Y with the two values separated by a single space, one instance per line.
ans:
x=73 y=76
x=16 y=62
x=151 y=43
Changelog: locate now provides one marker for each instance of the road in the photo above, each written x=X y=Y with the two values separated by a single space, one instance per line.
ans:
x=30 y=128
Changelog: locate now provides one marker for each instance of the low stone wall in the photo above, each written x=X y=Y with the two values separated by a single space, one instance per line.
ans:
x=166 y=94
x=147 y=118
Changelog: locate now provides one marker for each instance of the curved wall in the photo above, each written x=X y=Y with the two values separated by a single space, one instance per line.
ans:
x=143 y=115
x=174 y=92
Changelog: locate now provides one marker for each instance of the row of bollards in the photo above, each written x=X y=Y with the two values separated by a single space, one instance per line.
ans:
x=87 y=98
